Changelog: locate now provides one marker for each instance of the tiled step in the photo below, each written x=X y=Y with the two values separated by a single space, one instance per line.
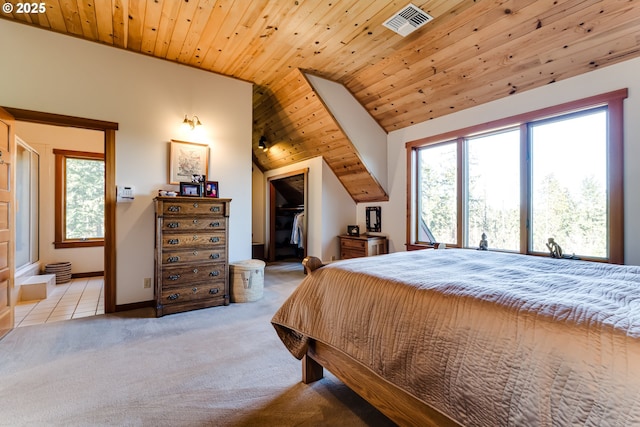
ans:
x=37 y=287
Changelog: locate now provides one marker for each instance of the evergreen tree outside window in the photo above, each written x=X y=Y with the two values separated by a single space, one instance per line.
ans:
x=80 y=189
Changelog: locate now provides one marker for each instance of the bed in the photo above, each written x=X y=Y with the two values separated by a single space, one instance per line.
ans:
x=473 y=338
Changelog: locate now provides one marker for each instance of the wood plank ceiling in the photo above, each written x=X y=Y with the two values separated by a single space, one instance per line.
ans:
x=473 y=52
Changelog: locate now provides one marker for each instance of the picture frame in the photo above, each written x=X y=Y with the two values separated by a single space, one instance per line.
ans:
x=187 y=159
x=198 y=178
x=190 y=189
x=211 y=189
x=374 y=223
x=353 y=230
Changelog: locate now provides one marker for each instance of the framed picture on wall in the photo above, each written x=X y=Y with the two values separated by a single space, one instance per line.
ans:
x=187 y=159
x=211 y=189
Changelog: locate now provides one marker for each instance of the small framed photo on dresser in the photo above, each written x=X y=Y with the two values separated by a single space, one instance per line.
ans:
x=211 y=189
x=190 y=189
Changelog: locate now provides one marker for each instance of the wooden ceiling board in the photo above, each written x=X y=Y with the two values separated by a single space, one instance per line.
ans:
x=87 y=16
x=73 y=26
x=136 y=16
x=472 y=52
x=120 y=13
x=104 y=22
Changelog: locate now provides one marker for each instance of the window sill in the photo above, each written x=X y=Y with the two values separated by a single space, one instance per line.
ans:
x=78 y=244
x=418 y=246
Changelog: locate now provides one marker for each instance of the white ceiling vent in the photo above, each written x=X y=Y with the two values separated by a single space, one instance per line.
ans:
x=407 y=20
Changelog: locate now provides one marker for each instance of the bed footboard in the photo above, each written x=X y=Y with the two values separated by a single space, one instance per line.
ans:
x=401 y=407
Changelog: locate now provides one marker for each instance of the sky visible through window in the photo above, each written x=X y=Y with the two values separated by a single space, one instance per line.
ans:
x=572 y=149
x=569 y=150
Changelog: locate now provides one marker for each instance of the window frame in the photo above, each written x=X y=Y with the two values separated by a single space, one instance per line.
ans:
x=615 y=170
x=60 y=240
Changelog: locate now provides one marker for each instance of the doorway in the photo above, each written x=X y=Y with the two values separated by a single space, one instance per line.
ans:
x=68 y=211
x=108 y=130
x=288 y=207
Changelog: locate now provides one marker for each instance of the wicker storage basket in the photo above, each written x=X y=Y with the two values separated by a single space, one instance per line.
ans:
x=247 y=280
x=62 y=270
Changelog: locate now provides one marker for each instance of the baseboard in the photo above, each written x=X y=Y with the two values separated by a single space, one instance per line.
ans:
x=135 y=305
x=88 y=274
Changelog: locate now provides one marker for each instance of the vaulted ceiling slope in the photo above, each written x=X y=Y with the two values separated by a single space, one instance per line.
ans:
x=472 y=52
x=298 y=126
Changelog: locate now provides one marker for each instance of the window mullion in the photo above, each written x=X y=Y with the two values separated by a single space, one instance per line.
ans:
x=461 y=192
x=525 y=188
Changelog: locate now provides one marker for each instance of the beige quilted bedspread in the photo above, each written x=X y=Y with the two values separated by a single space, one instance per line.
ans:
x=489 y=339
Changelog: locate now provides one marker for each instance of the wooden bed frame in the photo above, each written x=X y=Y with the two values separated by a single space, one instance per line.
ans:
x=401 y=407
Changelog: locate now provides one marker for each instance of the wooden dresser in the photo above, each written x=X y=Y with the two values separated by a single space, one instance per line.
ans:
x=191 y=253
x=361 y=246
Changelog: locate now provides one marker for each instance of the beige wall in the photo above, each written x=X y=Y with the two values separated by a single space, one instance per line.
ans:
x=48 y=72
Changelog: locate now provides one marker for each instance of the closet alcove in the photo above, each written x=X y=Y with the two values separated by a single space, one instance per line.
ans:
x=287 y=217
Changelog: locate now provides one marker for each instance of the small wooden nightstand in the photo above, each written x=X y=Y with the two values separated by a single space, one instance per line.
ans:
x=361 y=246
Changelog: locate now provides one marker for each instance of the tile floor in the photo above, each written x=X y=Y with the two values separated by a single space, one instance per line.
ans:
x=80 y=297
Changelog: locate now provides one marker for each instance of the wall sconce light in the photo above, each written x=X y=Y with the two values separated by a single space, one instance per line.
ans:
x=191 y=123
x=263 y=143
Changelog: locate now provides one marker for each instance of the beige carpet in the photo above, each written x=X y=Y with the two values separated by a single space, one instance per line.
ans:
x=222 y=366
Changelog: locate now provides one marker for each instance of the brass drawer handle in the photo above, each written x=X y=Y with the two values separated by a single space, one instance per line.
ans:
x=174 y=241
x=194 y=290
x=214 y=224
x=174 y=277
x=215 y=273
x=173 y=208
x=214 y=291
x=173 y=297
x=215 y=209
x=195 y=205
x=173 y=259
x=195 y=221
x=214 y=256
x=214 y=239
x=195 y=253
x=195 y=271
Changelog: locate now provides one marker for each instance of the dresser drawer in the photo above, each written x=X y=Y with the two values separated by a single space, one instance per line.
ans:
x=362 y=246
x=196 y=207
x=352 y=244
x=175 y=257
x=351 y=253
x=181 y=275
x=205 y=291
x=202 y=239
x=182 y=224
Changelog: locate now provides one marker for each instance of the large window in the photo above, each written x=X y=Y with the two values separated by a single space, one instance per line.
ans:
x=79 y=199
x=555 y=173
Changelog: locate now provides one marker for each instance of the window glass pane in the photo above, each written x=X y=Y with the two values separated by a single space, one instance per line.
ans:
x=437 y=193
x=23 y=208
x=84 y=199
x=493 y=190
x=569 y=184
